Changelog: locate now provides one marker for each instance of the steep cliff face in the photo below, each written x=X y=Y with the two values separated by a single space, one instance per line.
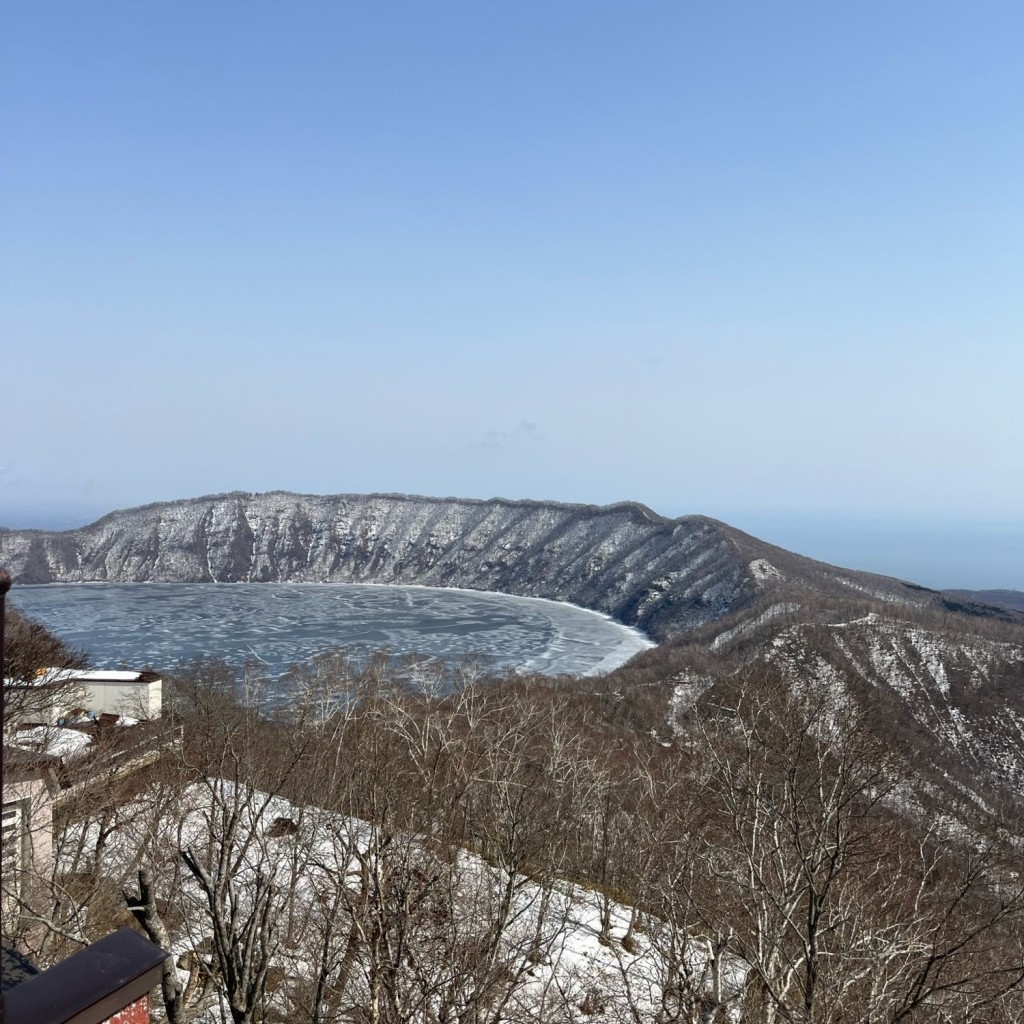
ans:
x=661 y=575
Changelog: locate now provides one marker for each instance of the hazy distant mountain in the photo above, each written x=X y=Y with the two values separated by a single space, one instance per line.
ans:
x=662 y=575
x=1000 y=598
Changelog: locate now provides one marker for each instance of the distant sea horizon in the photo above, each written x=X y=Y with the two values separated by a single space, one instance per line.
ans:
x=941 y=554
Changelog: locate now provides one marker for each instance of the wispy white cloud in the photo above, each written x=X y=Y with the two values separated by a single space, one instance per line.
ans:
x=525 y=432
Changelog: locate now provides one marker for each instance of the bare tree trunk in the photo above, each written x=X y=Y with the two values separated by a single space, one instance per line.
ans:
x=144 y=908
x=243 y=946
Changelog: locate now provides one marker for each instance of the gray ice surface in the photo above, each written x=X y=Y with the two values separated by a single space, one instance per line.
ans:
x=160 y=624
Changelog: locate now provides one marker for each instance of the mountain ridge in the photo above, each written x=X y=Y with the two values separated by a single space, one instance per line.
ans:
x=664 y=576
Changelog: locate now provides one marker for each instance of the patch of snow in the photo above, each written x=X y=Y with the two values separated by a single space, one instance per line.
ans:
x=772 y=612
x=53 y=740
x=762 y=570
x=687 y=691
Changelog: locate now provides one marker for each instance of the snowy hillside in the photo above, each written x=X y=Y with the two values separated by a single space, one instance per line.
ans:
x=556 y=950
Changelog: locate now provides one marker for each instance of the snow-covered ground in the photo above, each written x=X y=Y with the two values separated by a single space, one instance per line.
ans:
x=53 y=740
x=335 y=877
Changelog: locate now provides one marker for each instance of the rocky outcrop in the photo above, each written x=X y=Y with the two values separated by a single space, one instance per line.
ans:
x=663 y=576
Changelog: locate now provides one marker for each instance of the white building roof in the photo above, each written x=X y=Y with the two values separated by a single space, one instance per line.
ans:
x=94 y=675
x=102 y=675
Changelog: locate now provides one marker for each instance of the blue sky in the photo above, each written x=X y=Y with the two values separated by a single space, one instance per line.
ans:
x=757 y=261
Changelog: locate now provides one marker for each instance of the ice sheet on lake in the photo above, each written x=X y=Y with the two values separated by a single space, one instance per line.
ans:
x=158 y=624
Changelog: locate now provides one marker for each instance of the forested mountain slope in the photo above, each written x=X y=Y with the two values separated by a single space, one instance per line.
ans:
x=955 y=701
x=945 y=688
x=663 y=576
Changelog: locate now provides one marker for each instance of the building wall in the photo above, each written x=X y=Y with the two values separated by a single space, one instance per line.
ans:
x=48 y=703
x=33 y=795
x=134 y=1013
x=136 y=700
x=42 y=705
x=27 y=844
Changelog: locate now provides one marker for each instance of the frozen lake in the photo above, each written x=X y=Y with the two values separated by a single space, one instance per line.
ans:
x=159 y=624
